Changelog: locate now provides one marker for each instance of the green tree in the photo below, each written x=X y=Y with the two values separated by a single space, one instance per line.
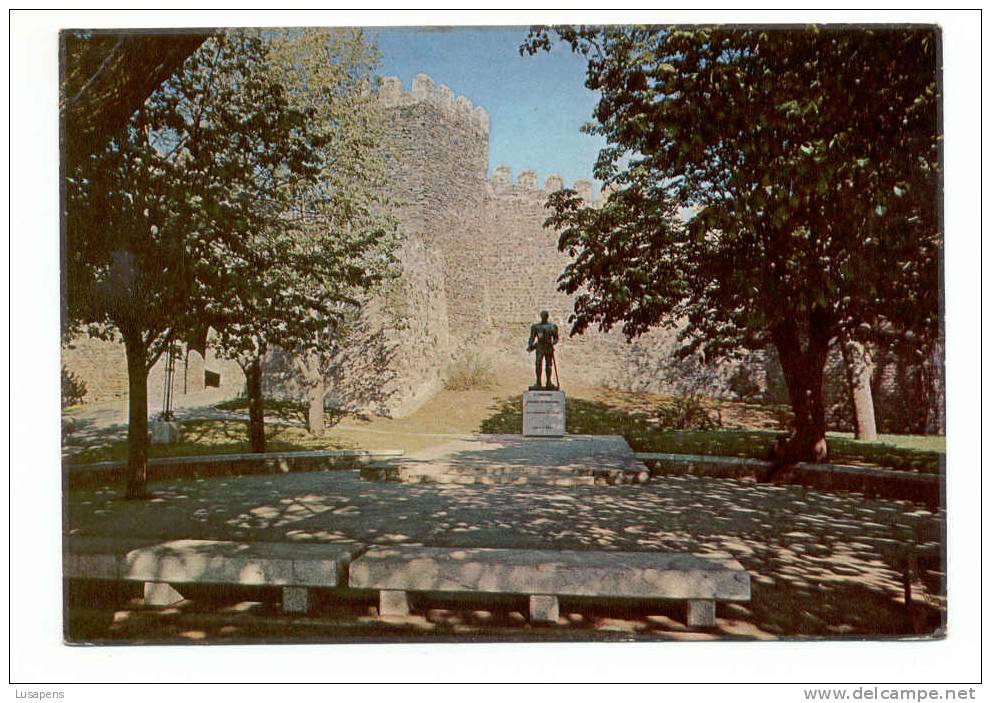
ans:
x=809 y=160
x=155 y=219
x=335 y=238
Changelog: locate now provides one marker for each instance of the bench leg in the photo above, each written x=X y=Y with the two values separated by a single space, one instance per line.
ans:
x=295 y=599
x=393 y=603
x=544 y=609
x=161 y=594
x=701 y=613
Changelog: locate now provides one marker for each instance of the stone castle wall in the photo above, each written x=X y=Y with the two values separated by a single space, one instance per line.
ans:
x=396 y=354
x=498 y=264
x=443 y=155
x=476 y=266
x=102 y=366
x=522 y=267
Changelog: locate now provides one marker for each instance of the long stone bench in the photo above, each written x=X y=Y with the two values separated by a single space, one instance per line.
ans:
x=163 y=565
x=544 y=576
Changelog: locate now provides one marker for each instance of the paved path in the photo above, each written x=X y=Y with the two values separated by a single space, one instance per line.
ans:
x=509 y=450
x=505 y=458
x=822 y=564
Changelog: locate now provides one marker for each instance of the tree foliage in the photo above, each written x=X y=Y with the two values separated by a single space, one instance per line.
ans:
x=333 y=237
x=160 y=221
x=156 y=218
x=809 y=161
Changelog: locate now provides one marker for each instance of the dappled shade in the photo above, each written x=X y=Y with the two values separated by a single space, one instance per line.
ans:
x=821 y=564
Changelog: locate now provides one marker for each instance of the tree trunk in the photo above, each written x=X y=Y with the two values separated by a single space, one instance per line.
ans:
x=314 y=417
x=859 y=365
x=936 y=397
x=803 y=371
x=310 y=369
x=256 y=405
x=137 y=421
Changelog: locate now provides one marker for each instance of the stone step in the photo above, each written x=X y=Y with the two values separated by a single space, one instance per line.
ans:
x=550 y=476
x=570 y=460
x=481 y=479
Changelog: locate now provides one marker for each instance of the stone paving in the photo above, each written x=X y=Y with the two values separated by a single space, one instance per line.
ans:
x=822 y=564
x=512 y=459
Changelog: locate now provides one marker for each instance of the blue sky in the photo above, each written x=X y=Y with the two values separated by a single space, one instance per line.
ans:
x=536 y=104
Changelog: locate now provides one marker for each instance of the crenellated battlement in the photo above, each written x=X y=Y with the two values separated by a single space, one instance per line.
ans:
x=392 y=94
x=501 y=184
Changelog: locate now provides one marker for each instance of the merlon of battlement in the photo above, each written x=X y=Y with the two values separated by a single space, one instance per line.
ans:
x=584 y=189
x=502 y=176
x=392 y=94
x=526 y=182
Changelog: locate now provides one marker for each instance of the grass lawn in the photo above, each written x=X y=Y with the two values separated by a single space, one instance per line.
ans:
x=646 y=432
x=903 y=452
x=644 y=419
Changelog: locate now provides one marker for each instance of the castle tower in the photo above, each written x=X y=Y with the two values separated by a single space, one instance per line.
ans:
x=443 y=154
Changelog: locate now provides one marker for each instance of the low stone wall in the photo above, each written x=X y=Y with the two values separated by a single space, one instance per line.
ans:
x=929 y=489
x=105 y=472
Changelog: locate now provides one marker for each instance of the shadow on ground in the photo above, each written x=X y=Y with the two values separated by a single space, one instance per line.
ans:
x=823 y=565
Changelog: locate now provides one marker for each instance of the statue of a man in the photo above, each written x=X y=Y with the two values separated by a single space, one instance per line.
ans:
x=543 y=337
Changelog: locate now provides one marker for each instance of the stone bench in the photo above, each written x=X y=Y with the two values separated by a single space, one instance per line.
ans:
x=543 y=576
x=163 y=565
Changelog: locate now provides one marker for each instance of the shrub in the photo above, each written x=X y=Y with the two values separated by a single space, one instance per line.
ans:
x=73 y=388
x=688 y=412
x=743 y=385
x=470 y=372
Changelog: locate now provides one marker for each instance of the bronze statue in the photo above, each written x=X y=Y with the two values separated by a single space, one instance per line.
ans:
x=543 y=337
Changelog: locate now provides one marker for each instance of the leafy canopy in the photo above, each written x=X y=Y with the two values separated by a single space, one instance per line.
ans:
x=156 y=221
x=808 y=164
x=335 y=235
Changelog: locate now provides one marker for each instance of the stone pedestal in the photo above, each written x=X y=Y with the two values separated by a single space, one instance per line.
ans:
x=543 y=414
x=701 y=613
x=165 y=432
x=393 y=603
x=295 y=599
x=161 y=595
x=544 y=609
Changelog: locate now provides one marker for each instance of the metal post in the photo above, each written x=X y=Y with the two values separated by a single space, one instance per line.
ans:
x=169 y=382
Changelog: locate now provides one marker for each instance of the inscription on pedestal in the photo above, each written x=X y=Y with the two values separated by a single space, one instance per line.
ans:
x=543 y=414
